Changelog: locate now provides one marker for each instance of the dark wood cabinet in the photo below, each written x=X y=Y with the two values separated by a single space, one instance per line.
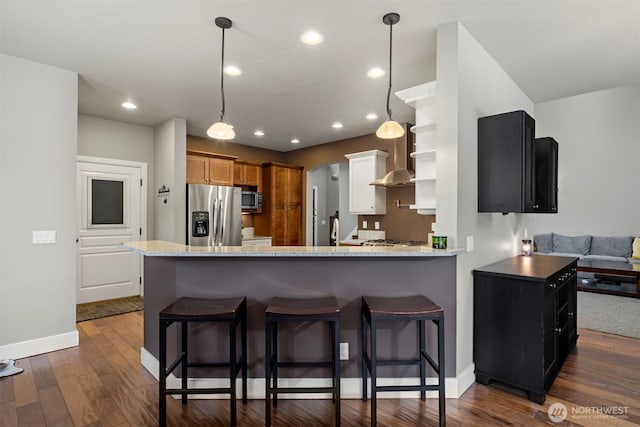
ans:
x=525 y=311
x=546 y=174
x=516 y=172
x=281 y=216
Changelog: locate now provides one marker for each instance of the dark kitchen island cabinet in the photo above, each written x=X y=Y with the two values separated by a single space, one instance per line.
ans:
x=525 y=311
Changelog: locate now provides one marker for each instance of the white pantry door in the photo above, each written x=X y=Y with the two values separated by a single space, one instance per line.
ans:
x=111 y=198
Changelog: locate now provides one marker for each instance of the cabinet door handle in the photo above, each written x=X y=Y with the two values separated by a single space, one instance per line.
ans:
x=552 y=285
x=536 y=206
x=571 y=314
x=558 y=330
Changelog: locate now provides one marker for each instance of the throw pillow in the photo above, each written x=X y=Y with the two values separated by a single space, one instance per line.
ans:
x=571 y=244
x=611 y=246
x=543 y=243
x=636 y=248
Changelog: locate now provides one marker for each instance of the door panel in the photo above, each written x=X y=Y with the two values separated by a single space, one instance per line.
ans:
x=109 y=199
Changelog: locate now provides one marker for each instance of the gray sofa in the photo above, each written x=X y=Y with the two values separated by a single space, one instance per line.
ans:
x=604 y=248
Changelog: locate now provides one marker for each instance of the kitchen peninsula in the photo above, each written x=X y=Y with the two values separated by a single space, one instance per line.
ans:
x=260 y=272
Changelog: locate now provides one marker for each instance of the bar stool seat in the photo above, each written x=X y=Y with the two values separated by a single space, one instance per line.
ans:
x=421 y=309
x=283 y=309
x=186 y=310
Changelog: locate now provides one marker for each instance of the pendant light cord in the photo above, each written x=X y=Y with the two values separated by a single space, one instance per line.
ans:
x=222 y=78
x=390 y=54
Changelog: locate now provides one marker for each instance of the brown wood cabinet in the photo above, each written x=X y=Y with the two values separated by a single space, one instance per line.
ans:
x=208 y=168
x=281 y=216
x=247 y=174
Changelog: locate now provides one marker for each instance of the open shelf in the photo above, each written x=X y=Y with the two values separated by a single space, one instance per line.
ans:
x=426 y=154
x=423 y=128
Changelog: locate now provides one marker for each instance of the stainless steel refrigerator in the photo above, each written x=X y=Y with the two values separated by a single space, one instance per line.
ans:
x=214 y=215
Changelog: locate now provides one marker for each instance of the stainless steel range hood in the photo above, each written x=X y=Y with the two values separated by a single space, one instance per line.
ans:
x=402 y=172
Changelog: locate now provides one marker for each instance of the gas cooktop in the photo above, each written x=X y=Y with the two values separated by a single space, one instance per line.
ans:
x=394 y=242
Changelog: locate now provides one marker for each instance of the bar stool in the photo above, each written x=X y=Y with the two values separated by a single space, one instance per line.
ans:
x=186 y=310
x=300 y=310
x=419 y=308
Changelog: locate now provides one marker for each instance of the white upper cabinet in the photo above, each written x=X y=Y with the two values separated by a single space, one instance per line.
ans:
x=364 y=168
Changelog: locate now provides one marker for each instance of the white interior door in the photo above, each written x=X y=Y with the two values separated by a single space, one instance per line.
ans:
x=111 y=199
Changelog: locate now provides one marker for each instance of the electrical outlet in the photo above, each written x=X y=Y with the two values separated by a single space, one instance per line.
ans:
x=344 y=351
x=376 y=225
x=364 y=225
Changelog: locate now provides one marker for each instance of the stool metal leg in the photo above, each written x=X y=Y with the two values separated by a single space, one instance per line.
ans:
x=373 y=357
x=363 y=362
x=336 y=368
x=232 y=371
x=441 y=374
x=274 y=361
x=421 y=351
x=244 y=356
x=185 y=360
x=162 y=403
x=267 y=373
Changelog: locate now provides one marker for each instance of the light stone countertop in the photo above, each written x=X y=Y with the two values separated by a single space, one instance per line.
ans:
x=162 y=248
x=255 y=237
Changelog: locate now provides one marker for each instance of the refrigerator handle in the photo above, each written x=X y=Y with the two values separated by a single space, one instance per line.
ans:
x=213 y=230
x=221 y=222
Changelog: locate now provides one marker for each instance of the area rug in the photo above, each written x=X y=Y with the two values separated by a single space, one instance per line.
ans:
x=609 y=313
x=98 y=309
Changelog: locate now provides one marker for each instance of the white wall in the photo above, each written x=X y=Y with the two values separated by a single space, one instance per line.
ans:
x=347 y=221
x=123 y=141
x=170 y=159
x=598 y=137
x=470 y=84
x=39 y=109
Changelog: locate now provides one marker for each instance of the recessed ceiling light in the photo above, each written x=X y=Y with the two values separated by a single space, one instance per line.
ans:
x=337 y=125
x=312 y=37
x=232 y=70
x=295 y=141
x=129 y=105
x=372 y=116
x=258 y=133
x=376 y=72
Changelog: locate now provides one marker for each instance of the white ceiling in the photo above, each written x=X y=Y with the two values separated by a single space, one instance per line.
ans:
x=165 y=56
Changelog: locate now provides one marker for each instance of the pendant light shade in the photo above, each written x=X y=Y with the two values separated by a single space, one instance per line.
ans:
x=220 y=129
x=390 y=129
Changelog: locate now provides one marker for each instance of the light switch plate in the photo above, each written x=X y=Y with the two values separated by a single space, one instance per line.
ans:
x=364 y=224
x=469 y=243
x=43 y=237
x=376 y=225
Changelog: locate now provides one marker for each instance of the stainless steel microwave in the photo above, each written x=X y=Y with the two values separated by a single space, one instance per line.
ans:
x=251 y=201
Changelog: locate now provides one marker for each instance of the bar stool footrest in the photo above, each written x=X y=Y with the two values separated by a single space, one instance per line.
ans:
x=303 y=390
x=407 y=388
x=198 y=390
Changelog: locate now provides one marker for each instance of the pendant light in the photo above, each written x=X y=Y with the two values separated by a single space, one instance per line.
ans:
x=220 y=129
x=390 y=129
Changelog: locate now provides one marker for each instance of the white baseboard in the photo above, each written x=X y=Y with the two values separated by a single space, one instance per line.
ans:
x=39 y=345
x=350 y=388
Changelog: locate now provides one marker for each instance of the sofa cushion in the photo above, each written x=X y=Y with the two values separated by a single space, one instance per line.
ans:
x=604 y=258
x=636 y=248
x=543 y=243
x=565 y=254
x=571 y=244
x=611 y=246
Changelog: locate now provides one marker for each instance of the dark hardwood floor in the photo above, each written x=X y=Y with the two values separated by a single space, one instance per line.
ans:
x=101 y=383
